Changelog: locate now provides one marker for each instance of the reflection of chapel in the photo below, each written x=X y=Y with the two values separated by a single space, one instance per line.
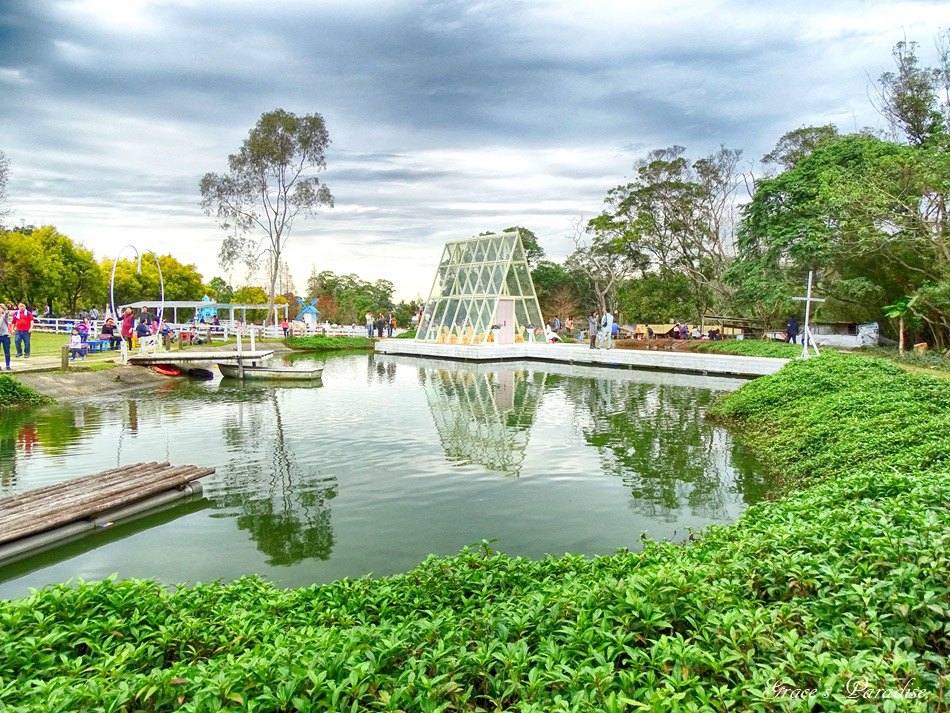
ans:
x=484 y=417
x=482 y=293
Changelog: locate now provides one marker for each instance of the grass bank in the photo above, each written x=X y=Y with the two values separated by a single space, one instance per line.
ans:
x=749 y=347
x=14 y=394
x=326 y=343
x=842 y=582
x=927 y=363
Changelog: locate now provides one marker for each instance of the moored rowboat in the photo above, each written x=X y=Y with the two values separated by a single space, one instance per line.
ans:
x=270 y=372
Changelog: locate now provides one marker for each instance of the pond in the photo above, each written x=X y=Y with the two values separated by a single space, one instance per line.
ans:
x=390 y=459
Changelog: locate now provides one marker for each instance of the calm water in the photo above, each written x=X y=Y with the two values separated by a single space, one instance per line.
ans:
x=391 y=459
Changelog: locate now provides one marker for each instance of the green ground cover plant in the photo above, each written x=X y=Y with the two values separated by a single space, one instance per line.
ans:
x=14 y=394
x=408 y=334
x=750 y=347
x=322 y=342
x=843 y=582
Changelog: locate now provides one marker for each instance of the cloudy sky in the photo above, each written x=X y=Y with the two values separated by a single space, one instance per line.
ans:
x=447 y=118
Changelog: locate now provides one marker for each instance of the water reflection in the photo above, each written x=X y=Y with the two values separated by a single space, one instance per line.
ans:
x=315 y=482
x=51 y=431
x=648 y=429
x=654 y=437
x=483 y=417
x=284 y=507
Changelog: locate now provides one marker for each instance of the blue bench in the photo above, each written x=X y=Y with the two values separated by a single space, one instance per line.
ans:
x=97 y=345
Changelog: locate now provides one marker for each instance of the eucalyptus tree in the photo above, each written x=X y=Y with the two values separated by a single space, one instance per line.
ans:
x=606 y=254
x=270 y=182
x=799 y=143
x=915 y=99
x=681 y=214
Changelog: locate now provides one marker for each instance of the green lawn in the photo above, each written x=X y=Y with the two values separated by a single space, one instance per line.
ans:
x=322 y=342
x=749 y=347
x=47 y=344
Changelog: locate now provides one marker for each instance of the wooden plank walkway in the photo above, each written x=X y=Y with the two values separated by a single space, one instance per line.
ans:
x=44 y=509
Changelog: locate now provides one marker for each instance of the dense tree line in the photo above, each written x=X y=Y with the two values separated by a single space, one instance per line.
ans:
x=41 y=266
x=867 y=212
x=345 y=299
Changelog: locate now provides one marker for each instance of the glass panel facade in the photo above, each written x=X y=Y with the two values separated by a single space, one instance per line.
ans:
x=471 y=276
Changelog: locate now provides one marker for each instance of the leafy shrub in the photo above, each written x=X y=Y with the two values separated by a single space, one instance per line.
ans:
x=408 y=334
x=750 y=347
x=14 y=394
x=322 y=342
x=844 y=580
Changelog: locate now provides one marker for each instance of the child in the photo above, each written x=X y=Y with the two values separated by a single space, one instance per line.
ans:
x=76 y=346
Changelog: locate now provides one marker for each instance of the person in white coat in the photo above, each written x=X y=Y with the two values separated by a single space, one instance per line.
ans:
x=606 y=329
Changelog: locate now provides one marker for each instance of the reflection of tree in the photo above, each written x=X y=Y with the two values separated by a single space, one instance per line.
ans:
x=8 y=474
x=50 y=430
x=483 y=418
x=284 y=509
x=655 y=437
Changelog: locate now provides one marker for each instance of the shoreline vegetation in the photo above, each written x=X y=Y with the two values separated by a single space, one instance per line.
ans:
x=323 y=343
x=748 y=347
x=840 y=584
x=15 y=394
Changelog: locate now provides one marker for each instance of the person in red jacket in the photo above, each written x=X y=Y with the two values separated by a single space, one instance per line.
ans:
x=128 y=324
x=23 y=326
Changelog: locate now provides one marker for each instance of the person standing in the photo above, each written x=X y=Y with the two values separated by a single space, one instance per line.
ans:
x=5 y=327
x=23 y=327
x=146 y=318
x=369 y=324
x=593 y=324
x=684 y=331
x=557 y=324
x=791 y=330
x=285 y=325
x=607 y=328
x=128 y=324
x=390 y=324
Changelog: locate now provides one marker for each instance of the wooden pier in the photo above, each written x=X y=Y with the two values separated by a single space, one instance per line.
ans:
x=42 y=518
x=191 y=357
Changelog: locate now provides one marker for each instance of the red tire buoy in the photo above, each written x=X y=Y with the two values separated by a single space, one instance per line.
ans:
x=166 y=370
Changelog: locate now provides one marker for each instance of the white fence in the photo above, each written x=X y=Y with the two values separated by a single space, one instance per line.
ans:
x=218 y=332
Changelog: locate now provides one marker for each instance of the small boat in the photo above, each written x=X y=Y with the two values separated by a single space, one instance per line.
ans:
x=270 y=372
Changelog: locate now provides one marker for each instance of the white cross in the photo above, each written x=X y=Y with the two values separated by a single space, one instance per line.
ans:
x=806 y=335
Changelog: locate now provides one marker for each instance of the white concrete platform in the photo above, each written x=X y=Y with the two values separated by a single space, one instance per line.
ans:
x=689 y=362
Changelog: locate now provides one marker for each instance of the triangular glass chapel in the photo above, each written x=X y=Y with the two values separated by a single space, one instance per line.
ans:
x=482 y=293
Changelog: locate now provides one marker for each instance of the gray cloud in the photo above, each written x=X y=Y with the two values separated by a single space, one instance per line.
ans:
x=447 y=118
